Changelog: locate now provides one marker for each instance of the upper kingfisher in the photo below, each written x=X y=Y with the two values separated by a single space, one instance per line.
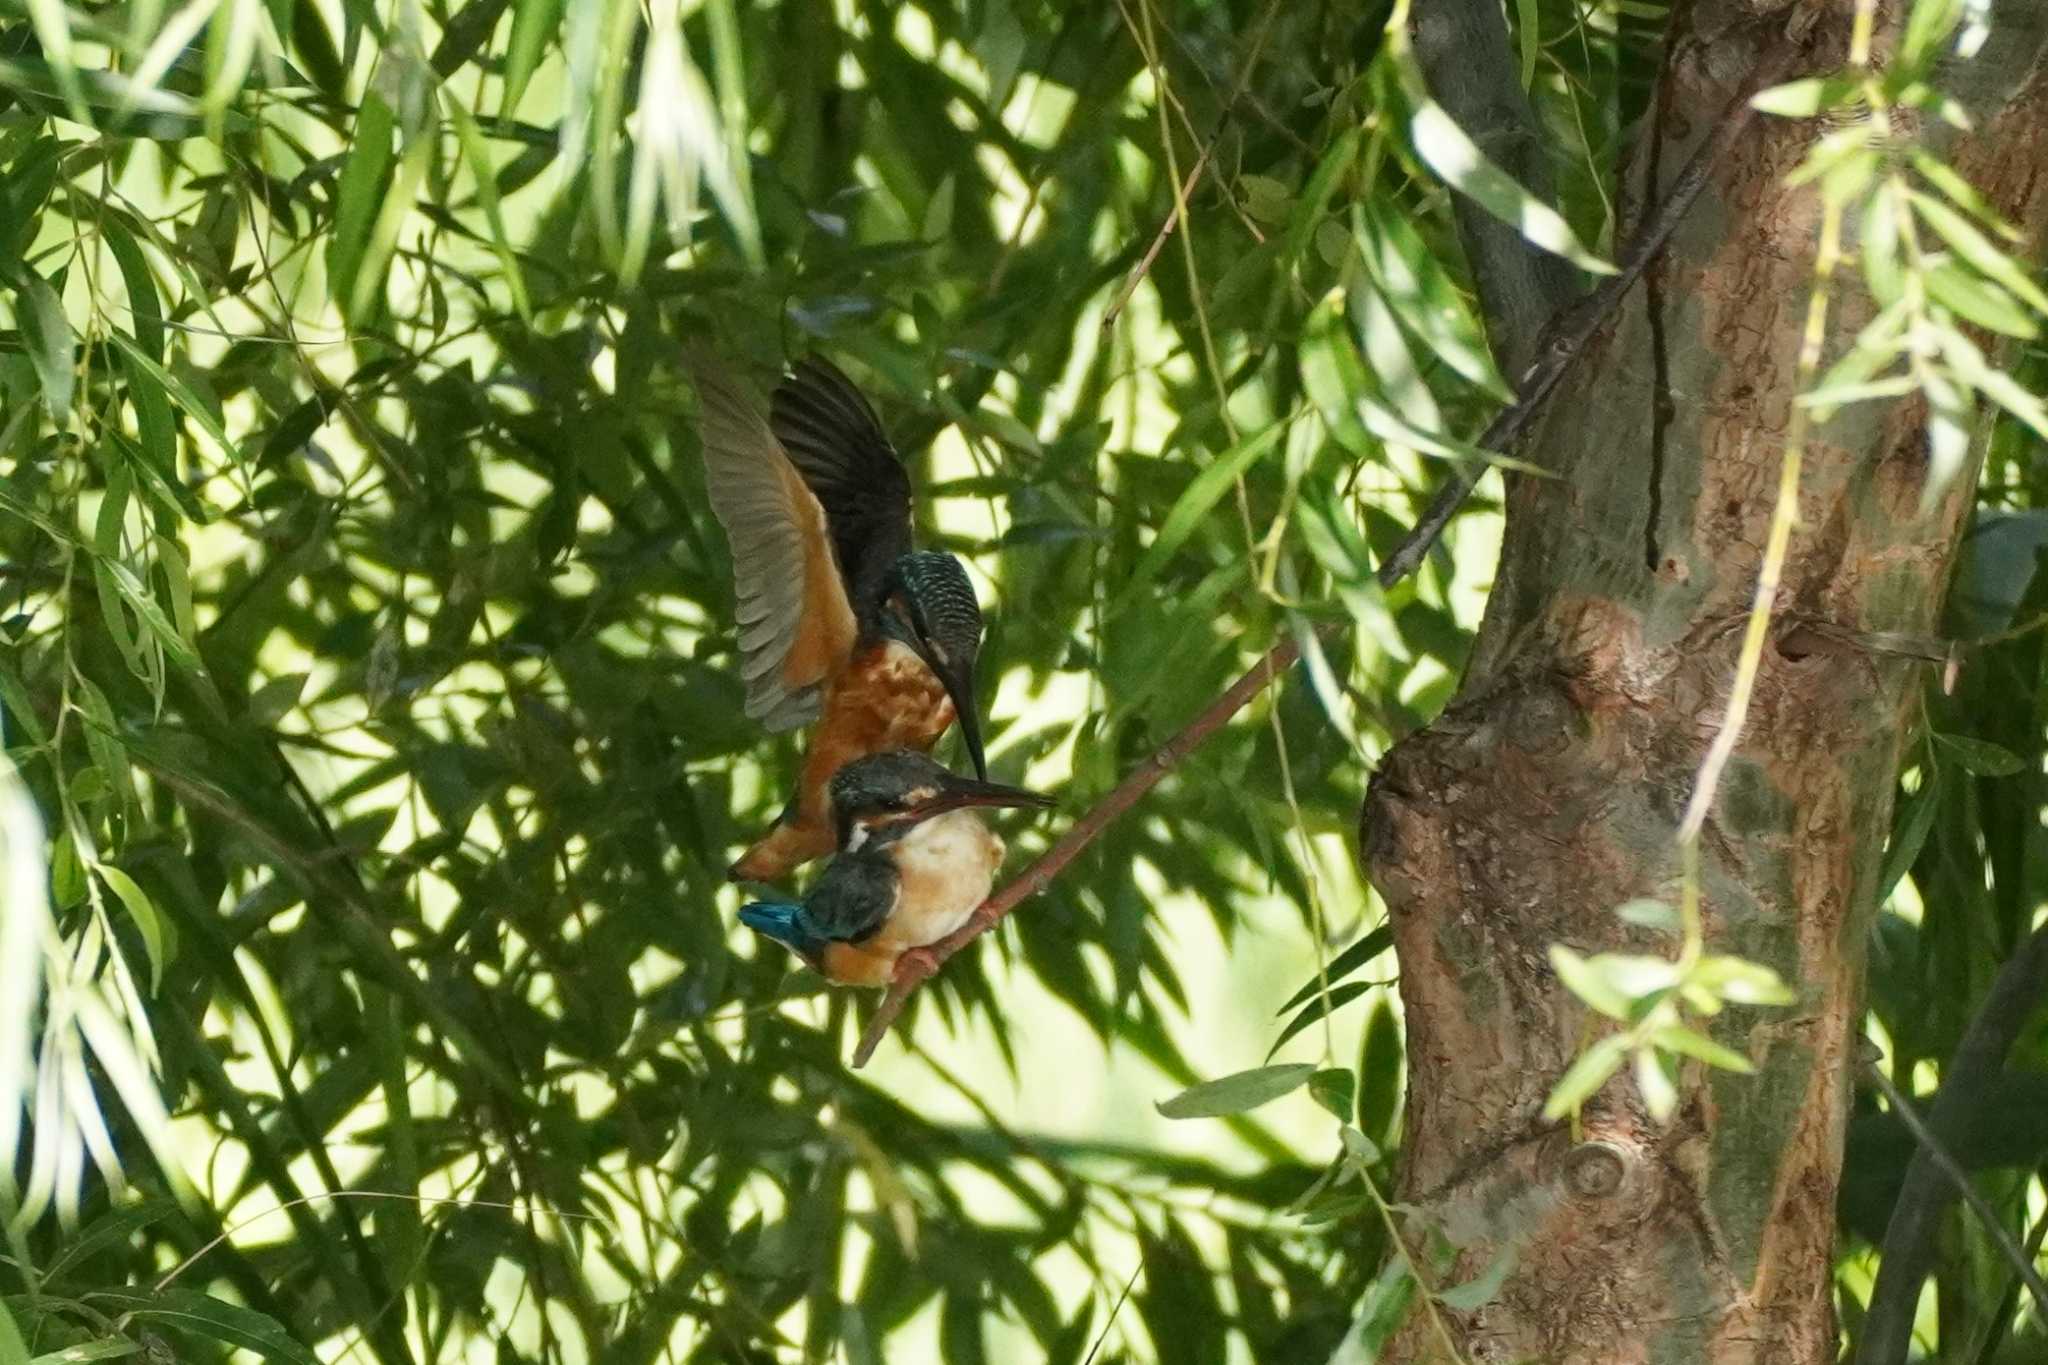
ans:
x=915 y=861
x=839 y=616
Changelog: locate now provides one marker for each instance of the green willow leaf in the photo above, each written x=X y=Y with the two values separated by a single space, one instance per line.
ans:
x=1390 y=426
x=1808 y=96
x=180 y=393
x=1584 y=1077
x=195 y=1314
x=1977 y=299
x=1979 y=251
x=148 y=922
x=1380 y=1314
x=1334 y=375
x=1689 y=1043
x=533 y=24
x=1981 y=756
x=137 y=595
x=479 y=158
x=1424 y=299
x=13 y=1350
x=1654 y=1084
x=1346 y=964
x=1317 y=1007
x=1450 y=151
x=1970 y=368
x=1314 y=203
x=106 y=1348
x=1236 y=1093
x=1483 y=1288
x=50 y=342
x=382 y=240
x=1528 y=40
x=365 y=182
x=1201 y=494
x=1909 y=836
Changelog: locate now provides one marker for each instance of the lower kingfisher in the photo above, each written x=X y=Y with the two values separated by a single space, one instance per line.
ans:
x=841 y=621
x=915 y=861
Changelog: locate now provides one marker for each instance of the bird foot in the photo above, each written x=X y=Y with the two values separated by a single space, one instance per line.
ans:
x=916 y=964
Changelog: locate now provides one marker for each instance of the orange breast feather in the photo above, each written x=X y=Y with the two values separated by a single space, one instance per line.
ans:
x=886 y=699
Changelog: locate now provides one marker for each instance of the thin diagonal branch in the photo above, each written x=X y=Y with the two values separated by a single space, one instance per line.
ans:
x=1958 y=1181
x=1567 y=337
x=1969 y=1083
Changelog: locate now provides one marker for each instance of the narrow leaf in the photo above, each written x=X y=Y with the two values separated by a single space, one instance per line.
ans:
x=478 y=156
x=106 y=1348
x=181 y=393
x=365 y=177
x=1476 y=1293
x=1653 y=1083
x=1391 y=427
x=1687 y=1042
x=1237 y=1093
x=1201 y=494
x=1583 y=1079
x=1344 y=964
x=1583 y=979
x=144 y=912
x=1981 y=756
x=1977 y=299
x=13 y=1350
x=191 y=1312
x=50 y=342
x=1977 y=249
x=1448 y=151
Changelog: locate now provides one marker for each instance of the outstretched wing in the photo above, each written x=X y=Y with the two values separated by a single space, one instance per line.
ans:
x=855 y=897
x=795 y=624
x=845 y=458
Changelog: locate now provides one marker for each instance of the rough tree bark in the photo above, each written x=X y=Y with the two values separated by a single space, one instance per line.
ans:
x=1548 y=793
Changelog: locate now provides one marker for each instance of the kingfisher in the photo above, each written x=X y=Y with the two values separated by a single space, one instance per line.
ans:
x=842 y=621
x=914 y=862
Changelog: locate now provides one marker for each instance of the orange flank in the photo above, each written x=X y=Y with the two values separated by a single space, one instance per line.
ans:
x=885 y=698
x=852 y=964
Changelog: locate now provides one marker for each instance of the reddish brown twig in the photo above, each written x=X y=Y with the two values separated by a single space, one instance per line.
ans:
x=912 y=971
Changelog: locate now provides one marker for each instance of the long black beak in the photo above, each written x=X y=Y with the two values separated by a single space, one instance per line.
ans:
x=959 y=684
x=967 y=791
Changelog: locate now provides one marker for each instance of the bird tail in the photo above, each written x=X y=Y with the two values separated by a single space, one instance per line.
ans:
x=782 y=921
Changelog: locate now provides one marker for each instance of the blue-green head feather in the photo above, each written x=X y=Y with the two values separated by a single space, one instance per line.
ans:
x=785 y=923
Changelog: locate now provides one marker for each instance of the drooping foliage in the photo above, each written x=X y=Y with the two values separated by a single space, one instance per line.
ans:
x=369 y=663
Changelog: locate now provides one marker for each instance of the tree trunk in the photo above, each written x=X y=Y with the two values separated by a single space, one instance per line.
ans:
x=1548 y=793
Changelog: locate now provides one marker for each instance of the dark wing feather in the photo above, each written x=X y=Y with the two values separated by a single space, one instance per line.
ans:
x=855 y=897
x=796 y=626
x=838 y=445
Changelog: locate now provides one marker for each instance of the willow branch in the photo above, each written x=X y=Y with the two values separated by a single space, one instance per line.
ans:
x=1567 y=337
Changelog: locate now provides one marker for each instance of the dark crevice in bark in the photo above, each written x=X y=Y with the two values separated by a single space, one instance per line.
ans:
x=1662 y=409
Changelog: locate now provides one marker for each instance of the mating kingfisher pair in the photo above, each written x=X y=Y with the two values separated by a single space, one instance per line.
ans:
x=843 y=623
